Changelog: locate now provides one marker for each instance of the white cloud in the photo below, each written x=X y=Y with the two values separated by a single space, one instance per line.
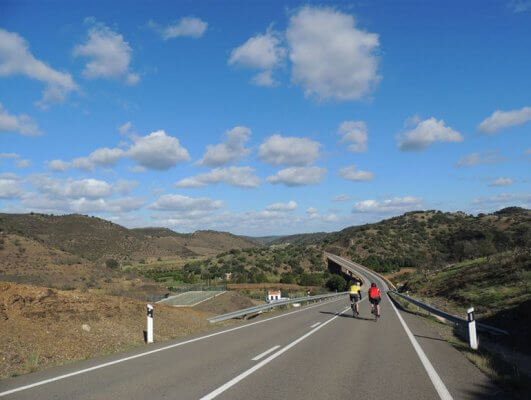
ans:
x=260 y=52
x=125 y=128
x=342 y=197
x=395 y=204
x=298 y=176
x=21 y=123
x=185 y=27
x=124 y=186
x=283 y=150
x=480 y=158
x=426 y=133
x=505 y=119
x=9 y=189
x=158 y=151
x=72 y=189
x=9 y=155
x=312 y=212
x=331 y=57
x=289 y=206
x=109 y=54
x=508 y=199
x=121 y=205
x=58 y=165
x=103 y=157
x=354 y=132
x=23 y=163
x=230 y=151
x=350 y=173
x=502 y=182
x=176 y=202
x=235 y=176
x=16 y=59
x=518 y=6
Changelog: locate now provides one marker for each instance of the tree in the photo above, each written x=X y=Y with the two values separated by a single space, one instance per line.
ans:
x=336 y=282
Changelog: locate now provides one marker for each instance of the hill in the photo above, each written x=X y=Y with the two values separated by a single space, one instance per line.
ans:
x=96 y=239
x=428 y=239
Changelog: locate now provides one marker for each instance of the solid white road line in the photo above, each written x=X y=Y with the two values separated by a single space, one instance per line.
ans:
x=245 y=374
x=265 y=353
x=436 y=380
x=107 y=364
x=314 y=325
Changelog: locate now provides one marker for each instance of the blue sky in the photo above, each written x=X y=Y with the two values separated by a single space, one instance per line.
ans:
x=260 y=117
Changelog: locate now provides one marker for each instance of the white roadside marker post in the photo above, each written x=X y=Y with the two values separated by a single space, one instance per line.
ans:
x=472 y=329
x=149 y=323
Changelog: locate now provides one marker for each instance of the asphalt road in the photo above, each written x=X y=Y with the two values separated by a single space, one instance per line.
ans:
x=316 y=352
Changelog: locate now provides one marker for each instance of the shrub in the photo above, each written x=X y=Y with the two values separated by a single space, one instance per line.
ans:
x=336 y=282
x=112 y=263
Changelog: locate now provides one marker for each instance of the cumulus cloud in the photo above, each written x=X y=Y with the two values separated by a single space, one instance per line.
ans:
x=289 y=206
x=235 y=176
x=395 y=204
x=116 y=206
x=283 y=150
x=263 y=52
x=508 y=199
x=71 y=188
x=103 y=157
x=351 y=174
x=9 y=189
x=342 y=197
x=502 y=182
x=331 y=58
x=22 y=123
x=58 y=165
x=158 y=151
x=177 y=202
x=124 y=186
x=23 y=163
x=16 y=59
x=355 y=133
x=505 y=119
x=109 y=54
x=232 y=150
x=186 y=27
x=9 y=155
x=480 y=158
x=125 y=128
x=298 y=176
x=426 y=133
x=518 y=6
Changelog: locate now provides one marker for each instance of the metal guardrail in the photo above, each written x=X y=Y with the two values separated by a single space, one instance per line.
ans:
x=449 y=317
x=264 y=307
x=458 y=321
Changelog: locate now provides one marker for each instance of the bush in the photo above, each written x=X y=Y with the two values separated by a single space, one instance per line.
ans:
x=112 y=263
x=336 y=283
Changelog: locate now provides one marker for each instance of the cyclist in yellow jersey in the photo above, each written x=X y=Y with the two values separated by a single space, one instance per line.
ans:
x=355 y=296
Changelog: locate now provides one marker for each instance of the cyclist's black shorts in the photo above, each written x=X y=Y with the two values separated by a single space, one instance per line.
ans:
x=375 y=300
x=354 y=297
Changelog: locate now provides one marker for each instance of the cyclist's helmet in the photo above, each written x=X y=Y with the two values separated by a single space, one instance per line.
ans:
x=373 y=284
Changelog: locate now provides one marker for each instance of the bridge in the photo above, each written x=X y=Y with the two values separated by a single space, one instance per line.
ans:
x=313 y=352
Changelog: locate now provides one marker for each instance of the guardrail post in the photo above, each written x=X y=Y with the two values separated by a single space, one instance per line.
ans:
x=473 y=338
x=149 y=338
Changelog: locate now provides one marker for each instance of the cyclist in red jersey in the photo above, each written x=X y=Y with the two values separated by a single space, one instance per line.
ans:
x=374 y=299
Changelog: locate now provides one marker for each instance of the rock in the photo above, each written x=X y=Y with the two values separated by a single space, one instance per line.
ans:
x=85 y=327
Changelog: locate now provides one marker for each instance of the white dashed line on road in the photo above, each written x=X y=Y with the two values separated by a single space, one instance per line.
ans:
x=265 y=353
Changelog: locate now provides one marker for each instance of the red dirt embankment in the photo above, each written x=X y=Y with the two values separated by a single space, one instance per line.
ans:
x=42 y=327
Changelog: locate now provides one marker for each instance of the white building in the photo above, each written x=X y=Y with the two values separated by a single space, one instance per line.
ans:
x=273 y=295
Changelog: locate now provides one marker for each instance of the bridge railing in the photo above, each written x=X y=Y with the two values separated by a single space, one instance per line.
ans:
x=273 y=304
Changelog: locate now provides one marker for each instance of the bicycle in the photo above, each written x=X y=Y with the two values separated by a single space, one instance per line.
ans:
x=375 y=311
x=355 y=309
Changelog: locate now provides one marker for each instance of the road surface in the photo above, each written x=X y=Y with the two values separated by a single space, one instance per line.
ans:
x=316 y=352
